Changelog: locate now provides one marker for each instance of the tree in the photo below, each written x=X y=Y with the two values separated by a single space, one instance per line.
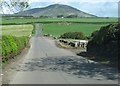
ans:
x=105 y=44
x=60 y=16
x=13 y=5
x=94 y=33
x=72 y=16
x=73 y=35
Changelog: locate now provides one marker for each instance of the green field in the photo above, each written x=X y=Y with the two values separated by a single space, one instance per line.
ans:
x=43 y=20
x=16 y=30
x=18 y=39
x=54 y=26
x=58 y=29
x=14 y=39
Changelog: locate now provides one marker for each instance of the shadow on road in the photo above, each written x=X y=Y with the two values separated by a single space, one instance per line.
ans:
x=72 y=65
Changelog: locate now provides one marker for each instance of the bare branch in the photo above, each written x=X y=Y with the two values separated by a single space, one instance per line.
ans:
x=14 y=6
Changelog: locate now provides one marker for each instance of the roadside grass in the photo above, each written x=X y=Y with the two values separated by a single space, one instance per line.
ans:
x=59 y=29
x=16 y=30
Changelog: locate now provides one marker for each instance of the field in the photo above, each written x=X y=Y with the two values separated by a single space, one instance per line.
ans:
x=16 y=30
x=50 y=20
x=54 y=26
x=19 y=29
x=58 y=29
x=14 y=40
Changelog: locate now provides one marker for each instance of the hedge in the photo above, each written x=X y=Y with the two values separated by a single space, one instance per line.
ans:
x=106 y=43
x=12 y=46
x=73 y=35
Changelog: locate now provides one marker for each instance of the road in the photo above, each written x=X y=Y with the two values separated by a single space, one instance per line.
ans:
x=47 y=64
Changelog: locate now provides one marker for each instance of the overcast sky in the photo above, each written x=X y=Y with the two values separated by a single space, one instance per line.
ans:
x=102 y=8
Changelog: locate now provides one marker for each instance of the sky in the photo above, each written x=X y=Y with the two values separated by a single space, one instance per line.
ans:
x=101 y=8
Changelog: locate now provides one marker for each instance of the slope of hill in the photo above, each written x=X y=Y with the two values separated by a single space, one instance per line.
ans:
x=56 y=10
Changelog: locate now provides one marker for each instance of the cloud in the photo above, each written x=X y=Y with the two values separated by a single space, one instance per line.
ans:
x=96 y=7
x=100 y=9
x=103 y=9
x=6 y=10
x=81 y=1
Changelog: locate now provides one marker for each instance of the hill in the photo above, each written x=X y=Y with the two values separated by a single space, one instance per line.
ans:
x=55 y=11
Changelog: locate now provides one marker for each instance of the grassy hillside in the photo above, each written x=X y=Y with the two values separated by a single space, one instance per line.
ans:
x=52 y=11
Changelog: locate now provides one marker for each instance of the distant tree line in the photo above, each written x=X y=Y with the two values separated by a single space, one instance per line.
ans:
x=69 y=16
x=18 y=16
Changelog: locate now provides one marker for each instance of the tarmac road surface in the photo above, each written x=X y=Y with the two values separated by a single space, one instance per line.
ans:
x=47 y=64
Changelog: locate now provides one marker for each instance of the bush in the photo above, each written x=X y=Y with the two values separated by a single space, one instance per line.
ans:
x=94 y=33
x=12 y=46
x=106 y=42
x=73 y=35
x=33 y=30
x=106 y=34
x=72 y=16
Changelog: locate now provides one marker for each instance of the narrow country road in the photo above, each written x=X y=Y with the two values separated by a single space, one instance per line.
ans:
x=47 y=64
